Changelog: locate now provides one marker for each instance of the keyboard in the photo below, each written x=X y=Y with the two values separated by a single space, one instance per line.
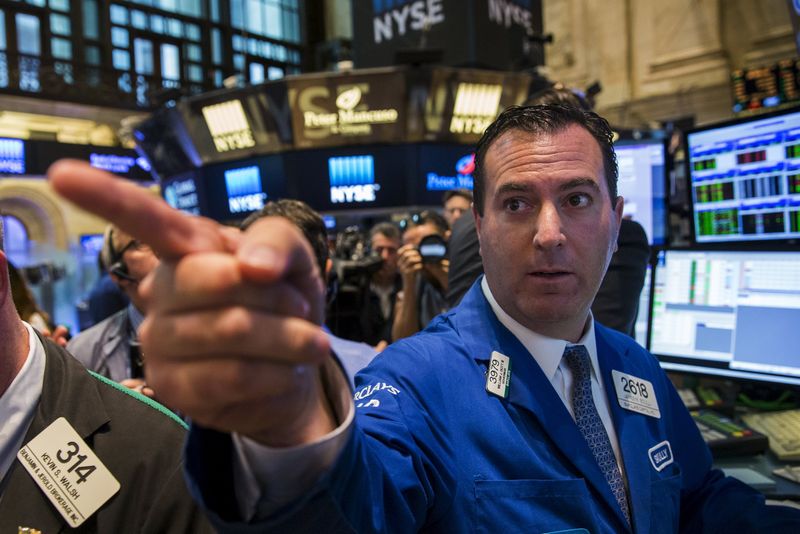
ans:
x=726 y=438
x=783 y=430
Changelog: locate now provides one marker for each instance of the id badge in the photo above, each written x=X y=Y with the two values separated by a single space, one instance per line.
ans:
x=68 y=472
x=636 y=394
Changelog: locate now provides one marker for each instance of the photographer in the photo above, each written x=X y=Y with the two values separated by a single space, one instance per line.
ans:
x=423 y=268
x=377 y=315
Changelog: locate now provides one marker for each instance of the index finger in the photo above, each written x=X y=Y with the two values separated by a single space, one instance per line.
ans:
x=169 y=232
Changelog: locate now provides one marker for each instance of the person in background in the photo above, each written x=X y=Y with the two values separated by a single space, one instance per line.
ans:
x=456 y=203
x=43 y=389
x=617 y=303
x=424 y=282
x=105 y=298
x=464 y=253
x=377 y=315
x=30 y=312
x=111 y=347
x=27 y=308
x=352 y=355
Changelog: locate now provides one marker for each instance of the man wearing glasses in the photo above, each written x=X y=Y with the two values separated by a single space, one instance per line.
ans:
x=111 y=347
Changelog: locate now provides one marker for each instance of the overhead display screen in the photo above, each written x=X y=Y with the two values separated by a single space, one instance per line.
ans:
x=12 y=156
x=124 y=162
x=230 y=125
x=462 y=103
x=185 y=192
x=442 y=167
x=346 y=179
x=235 y=190
x=348 y=109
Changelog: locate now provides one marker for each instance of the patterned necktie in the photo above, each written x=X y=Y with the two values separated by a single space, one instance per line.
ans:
x=590 y=424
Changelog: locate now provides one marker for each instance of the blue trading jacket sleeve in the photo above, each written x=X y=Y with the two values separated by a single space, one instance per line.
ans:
x=384 y=481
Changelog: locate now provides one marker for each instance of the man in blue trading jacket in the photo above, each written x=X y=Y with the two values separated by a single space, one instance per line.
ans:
x=514 y=412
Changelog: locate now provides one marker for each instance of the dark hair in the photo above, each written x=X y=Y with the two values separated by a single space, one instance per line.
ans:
x=546 y=119
x=464 y=193
x=558 y=95
x=388 y=229
x=427 y=217
x=302 y=216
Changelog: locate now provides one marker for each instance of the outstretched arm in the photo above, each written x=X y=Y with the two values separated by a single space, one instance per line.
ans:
x=232 y=336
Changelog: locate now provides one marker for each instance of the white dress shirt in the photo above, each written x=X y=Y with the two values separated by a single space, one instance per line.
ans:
x=18 y=404
x=549 y=352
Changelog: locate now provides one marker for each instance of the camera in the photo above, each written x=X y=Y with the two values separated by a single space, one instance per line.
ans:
x=432 y=248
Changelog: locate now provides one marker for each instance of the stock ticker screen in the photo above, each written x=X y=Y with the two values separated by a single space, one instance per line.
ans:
x=745 y=179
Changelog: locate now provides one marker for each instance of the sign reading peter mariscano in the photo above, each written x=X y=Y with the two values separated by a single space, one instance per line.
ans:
x=349 y=109
x=456 y=27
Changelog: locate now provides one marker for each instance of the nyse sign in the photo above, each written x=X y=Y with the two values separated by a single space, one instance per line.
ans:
x=508 y=13
x=228 y=126
x=401 y=17
x=352 y=179
x=476 y=106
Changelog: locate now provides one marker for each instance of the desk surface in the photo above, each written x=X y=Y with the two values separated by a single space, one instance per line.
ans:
x=764 y=464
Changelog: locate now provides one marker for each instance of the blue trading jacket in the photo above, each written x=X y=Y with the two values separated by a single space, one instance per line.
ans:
x=432 y=451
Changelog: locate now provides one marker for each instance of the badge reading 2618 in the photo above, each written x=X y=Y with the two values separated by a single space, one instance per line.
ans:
x=636 y=394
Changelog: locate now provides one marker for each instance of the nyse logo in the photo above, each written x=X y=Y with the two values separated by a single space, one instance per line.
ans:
x=352 y=179
x=228 y=126
x=244 y=189
x=475 y=108
x=394 y=18
x=12 y=156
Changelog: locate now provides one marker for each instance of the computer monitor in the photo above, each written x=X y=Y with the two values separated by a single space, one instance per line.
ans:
x=642 y=181
x=729 y=314
x=745 y=179
x=643 y=314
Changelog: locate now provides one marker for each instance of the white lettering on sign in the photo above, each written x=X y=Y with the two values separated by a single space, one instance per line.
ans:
x=228 y=126
x=507 y=13
x=246 y=203
x=415 y=16
x=476 y=106
x=354 y=193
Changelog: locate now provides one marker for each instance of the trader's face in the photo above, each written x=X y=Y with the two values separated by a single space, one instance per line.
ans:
x=548 y=229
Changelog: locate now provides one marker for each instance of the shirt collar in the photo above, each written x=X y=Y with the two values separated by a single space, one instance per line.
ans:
x=18 y=403
x=135 y=316
x=547 y=351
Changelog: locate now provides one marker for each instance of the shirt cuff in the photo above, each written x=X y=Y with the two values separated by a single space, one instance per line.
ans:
x=256 y=467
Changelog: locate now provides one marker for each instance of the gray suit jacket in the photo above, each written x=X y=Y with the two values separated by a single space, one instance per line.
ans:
x=104 y=347
x=137 y=441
